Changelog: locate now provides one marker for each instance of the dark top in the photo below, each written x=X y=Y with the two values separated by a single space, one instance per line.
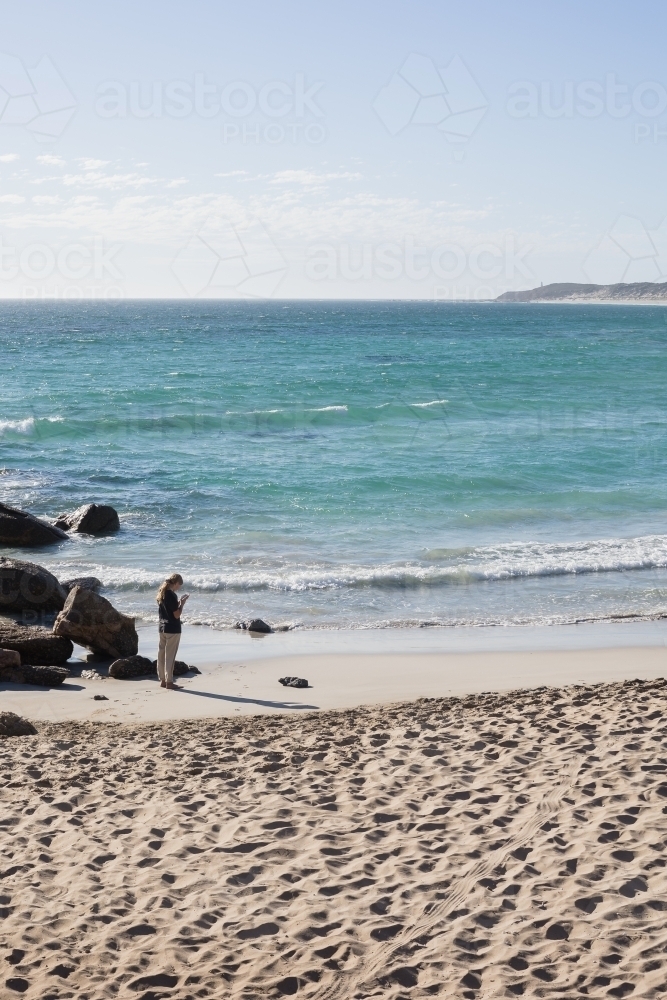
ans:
x=168 y=623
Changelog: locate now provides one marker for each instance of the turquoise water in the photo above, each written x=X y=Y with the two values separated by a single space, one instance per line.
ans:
x=349 y=464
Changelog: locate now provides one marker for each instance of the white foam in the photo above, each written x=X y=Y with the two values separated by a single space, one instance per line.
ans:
x=18 y=426
x=515 y=560
x=26 y=425
x=261 y=413
x=434 y=402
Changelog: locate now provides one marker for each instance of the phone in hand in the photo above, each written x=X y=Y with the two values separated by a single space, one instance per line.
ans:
x=184 y=598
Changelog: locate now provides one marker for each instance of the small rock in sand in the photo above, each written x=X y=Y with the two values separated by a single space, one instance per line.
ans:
x=100 y=697
x=181 y=668
x=9 y=658
x=13 y=725
x=44 y=676
x=293 y=682
x=258 y=625
x=27 y=674
x=132 y=666
x=141 y=666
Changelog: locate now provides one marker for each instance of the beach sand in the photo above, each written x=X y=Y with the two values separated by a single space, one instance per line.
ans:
x=240 y=676
x=489 y=846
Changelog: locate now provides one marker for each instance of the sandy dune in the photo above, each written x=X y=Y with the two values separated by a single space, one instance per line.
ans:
x=492 y=846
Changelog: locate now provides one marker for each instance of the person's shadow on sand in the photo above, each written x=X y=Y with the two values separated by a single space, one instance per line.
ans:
x=251 y=701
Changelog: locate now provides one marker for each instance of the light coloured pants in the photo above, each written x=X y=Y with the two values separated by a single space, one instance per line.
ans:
x=166 y=655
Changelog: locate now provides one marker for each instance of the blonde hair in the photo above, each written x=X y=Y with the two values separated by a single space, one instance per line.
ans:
x=166 y=584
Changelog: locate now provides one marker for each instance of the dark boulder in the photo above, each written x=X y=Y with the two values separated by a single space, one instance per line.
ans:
x=85 y=582
x=19 y=528
x=91 y=519
x=141 y=666
x=93 y=622
x=293 y=682
x=25 y=586
x=27 y=674
x=9 y=658
x=13 y=725
x=132 y=666
x=257 y=625
x=181 y=668
x=35 y=643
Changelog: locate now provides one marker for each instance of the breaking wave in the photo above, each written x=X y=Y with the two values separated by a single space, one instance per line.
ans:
x=27 y=425
x=439 y=567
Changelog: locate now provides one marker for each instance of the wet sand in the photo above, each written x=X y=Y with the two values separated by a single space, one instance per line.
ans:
x=246 y=684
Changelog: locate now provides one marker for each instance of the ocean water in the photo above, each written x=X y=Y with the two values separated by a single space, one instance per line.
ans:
x=348 y=464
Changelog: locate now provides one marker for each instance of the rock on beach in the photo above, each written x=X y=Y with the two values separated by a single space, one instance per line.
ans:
x=19 y=528
x=141 y=666
x=255 y=625
x=132 y=666
x=91 y=519
x=9 y=658
x=34 y=643
x=43 y=676
x=85 y=582
x=93 y=622
x=13 y=725
x=25 y=586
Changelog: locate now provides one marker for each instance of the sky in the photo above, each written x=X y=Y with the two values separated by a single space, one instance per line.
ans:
x=422 y=150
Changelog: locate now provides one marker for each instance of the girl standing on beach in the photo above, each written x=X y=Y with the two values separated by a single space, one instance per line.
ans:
x=170 y=609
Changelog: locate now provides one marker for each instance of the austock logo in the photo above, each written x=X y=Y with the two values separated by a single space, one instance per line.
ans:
x=37 y=98
x=393 y=261
x=586 y=99
x=278 y=111
x=224 y=259
x=630 y=253
x=448 y=98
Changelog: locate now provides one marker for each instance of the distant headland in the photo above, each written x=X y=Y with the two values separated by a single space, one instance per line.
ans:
x=641 y=291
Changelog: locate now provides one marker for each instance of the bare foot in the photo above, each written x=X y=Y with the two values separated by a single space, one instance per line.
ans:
x=163 y=684
x=174 y=687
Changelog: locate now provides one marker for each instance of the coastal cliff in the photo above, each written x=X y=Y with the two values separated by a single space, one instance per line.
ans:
x=642 y=291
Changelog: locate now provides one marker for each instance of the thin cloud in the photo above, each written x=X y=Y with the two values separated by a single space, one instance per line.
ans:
x=89 y=164
x=108 y=182
x=308 y=178
x=49 y=160
x=299 y=208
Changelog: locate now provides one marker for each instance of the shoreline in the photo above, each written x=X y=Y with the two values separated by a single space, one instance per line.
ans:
x=346 y=670
x=213 y=643
x=579 y=302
